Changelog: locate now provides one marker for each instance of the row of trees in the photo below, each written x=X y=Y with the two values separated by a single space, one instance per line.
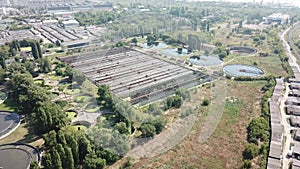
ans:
x=69 y=149
x=96 y=17
x=36 y=50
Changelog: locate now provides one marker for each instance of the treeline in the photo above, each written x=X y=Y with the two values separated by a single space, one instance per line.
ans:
x=69 y=149
x=258 y=131
x=15 y=46
x=96 y=17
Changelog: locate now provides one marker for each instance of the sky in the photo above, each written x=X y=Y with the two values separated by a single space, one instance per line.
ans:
x=295 y=2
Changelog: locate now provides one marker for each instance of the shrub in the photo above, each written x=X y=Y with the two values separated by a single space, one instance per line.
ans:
x=251 y=151
x=205 y=102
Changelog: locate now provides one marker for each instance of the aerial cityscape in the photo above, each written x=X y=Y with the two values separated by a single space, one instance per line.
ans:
x=128 y=84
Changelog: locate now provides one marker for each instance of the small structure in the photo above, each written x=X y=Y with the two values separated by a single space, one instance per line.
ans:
x=295 y=122
x=297 y=135
x=295 y=86
x=208 y=47
x=292 y=101
x=278 y=18
x=294 y=110
x=70 y=23
x=296 y=150
x=75 y=44
x=294 y=93
x=296 y=164
x=293 y=80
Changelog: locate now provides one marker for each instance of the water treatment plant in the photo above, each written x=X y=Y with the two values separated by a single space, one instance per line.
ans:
x=136 y=75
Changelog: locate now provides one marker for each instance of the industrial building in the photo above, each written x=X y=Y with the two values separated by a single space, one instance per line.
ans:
x=70 y=23
x=135 y=75
x=277 y=18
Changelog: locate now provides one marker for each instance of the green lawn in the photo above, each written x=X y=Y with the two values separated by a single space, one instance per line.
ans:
x=71 y=114
x=81 y=99
x=26 y=48
x=8 y=105
x=79 y=127
x=72 y=91
x=39 y=82
x=91 y=108
x=270 y=65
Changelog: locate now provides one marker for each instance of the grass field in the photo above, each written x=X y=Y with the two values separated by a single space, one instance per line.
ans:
x=71 y=115
x=270 y=65
x=26 y=48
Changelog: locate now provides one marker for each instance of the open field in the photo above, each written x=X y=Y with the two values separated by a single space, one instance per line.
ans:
x=270 y=65
x=224 y=148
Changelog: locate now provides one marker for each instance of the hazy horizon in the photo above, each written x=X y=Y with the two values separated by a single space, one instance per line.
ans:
x=297 y=3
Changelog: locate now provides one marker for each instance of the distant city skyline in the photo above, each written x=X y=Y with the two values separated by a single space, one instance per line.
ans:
x=295 y=2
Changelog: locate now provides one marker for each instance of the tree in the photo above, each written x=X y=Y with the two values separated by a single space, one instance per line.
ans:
x=60 y=137
x=45 y=65
x=148 y=130
x=29 y=66
x=61 y=151
x=185 y=94
x=2 y=62
x=48 y=116
x=159 y=123
x=50 y=139
x=91 y=161
x=68 y=72
x=2 y=75
x=251 y=151
x=32 y=99
x=84 y=148
x=34 y=50
x=258 y=129
x=222 y=55
x=105 y=97
x=247 y=164
x=134 y=40
x=40 y=53
x=55 y=159
x=69 y=159
x=78 y=77
x=240 y=24
x=34 y=165
x=57 y=43
x=74 y=148
x=122 y=128
x=205 y=102
x=47 y=161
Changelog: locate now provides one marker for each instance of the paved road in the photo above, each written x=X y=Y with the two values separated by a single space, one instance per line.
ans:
x=284 y=122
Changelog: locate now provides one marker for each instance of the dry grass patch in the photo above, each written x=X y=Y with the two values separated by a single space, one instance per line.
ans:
x=224 y=149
